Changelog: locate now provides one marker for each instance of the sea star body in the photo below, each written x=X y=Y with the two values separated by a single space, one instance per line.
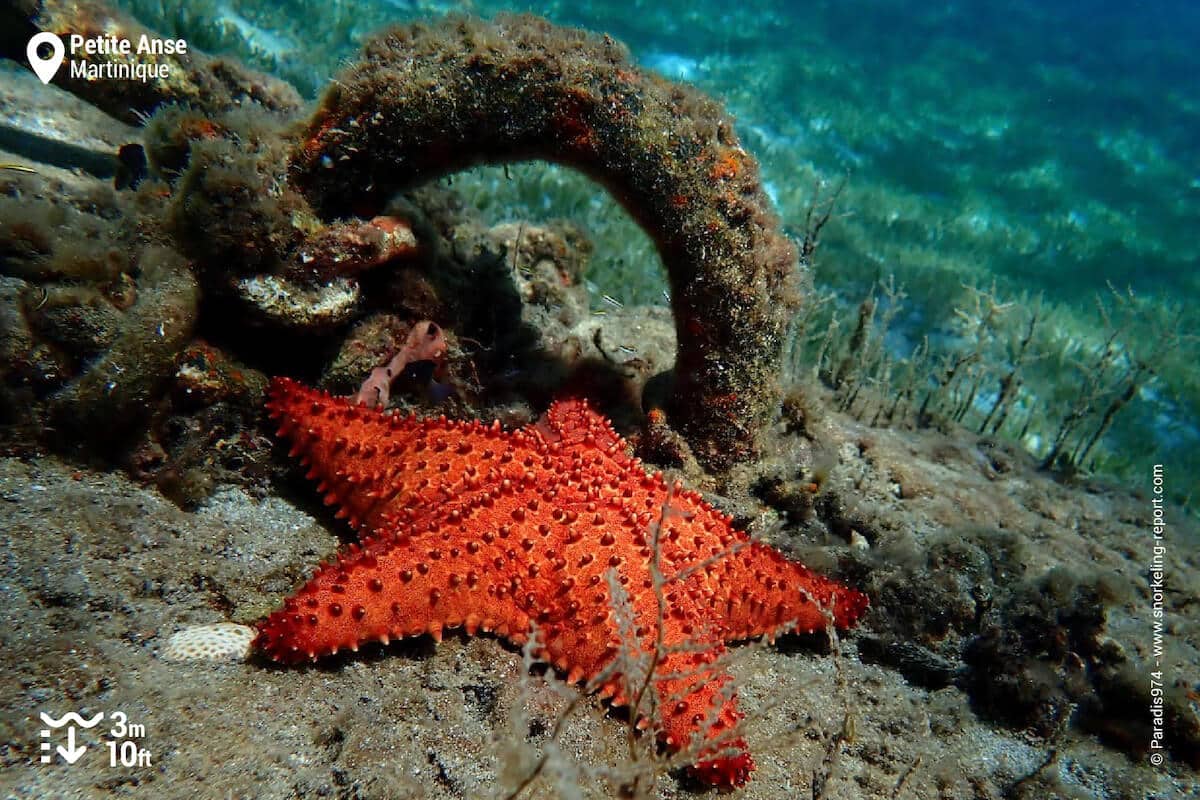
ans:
x=462 y=523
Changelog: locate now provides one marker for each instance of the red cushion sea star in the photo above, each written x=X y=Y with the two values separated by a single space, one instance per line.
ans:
x=463 y=523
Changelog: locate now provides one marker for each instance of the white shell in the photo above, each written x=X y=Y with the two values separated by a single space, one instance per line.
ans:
x=221 y=641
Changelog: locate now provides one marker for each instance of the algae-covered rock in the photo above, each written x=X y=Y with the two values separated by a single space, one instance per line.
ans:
x=289 y=304
x=187 y=76
x=78 y=319
x=669 y=153
x=548 y=263
x=16 y=338
x=206 y=375
x=119 y=387
x=230 y=210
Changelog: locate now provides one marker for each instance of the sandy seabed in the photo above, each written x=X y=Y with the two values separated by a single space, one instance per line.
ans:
x=98 y=572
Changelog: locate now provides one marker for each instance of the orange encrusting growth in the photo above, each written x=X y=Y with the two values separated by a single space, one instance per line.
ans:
x=464 y=524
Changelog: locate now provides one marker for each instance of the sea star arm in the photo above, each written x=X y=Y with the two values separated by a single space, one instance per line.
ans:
x=572 y=422
x=700 y=710
x=693 y=706
x=766 y=592
x=378 y=467
x=391 y=587
x=754 y=589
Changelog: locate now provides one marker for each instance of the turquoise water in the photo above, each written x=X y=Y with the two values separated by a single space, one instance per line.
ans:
x=1048 y=149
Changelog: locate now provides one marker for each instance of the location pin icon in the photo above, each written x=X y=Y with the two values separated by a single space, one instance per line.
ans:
x=45 y=67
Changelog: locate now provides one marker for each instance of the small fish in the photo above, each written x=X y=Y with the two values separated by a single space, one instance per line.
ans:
x=19 y=168
x=131 y=166
x=612 y=301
